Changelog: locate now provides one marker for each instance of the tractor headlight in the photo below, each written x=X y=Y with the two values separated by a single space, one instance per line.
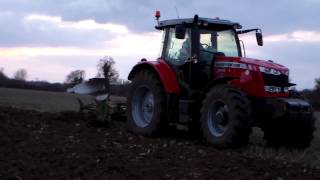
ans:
x=269 y=70
x=272 y=89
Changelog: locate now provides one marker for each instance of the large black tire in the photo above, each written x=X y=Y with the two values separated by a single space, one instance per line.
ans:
x=225 y=116
x=290 y=132
x=145 y=116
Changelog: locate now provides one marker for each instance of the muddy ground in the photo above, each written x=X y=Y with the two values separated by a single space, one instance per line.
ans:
x=37 y=145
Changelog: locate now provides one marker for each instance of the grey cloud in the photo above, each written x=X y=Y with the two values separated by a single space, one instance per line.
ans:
x=16 y=32
x=272 y=15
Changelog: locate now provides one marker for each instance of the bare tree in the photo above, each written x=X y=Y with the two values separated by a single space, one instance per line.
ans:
x=2 y=74
x=75 y=77
x=317 y=81
x=20 y=74
x=107 y=70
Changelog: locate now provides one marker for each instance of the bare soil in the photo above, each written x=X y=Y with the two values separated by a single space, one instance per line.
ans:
x=36 y=145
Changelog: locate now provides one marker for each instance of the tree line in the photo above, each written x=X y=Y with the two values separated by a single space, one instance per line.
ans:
x=105 y=69
x=313 y=95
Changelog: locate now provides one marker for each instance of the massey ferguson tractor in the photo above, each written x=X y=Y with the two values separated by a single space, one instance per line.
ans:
x=203 y=79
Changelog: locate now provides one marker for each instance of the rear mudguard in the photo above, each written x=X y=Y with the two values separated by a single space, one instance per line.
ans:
x=163 y=71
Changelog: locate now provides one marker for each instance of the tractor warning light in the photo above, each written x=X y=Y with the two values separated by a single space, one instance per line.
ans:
x=157 y=15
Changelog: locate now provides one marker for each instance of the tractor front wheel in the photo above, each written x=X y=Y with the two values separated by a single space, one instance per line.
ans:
x=225 y=117
x=146 y=105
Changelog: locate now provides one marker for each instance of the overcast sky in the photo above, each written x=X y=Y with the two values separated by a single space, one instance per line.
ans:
x=50 y=38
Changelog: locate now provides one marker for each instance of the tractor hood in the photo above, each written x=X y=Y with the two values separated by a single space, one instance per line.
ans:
x=267 y=64
x=255 y=63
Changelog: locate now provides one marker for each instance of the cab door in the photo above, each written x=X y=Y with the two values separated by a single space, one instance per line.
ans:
x=177 y=53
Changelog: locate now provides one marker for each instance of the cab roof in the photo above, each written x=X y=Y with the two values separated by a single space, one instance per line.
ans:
x=199 y=20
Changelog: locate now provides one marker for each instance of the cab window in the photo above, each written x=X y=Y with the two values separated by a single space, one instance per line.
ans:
x=219 y=41
x=178 y=50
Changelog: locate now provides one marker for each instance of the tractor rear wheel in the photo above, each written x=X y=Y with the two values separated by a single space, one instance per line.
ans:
x=292 y=133
x=225 y=117
x=146 y=105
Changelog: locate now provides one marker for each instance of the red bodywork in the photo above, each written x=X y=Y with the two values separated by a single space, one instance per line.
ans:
x=165 y=73
x=248 y=80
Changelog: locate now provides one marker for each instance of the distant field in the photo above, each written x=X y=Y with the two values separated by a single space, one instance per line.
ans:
x=43 y=100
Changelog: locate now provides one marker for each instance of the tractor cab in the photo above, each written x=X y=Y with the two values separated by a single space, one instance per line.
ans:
x=198 y=39
x=191 y=46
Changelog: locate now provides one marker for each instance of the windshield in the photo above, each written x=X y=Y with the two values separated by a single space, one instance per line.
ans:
x=219 y=41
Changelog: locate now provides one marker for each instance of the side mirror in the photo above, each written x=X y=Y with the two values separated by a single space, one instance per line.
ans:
x=180 y=31
x=259 y=38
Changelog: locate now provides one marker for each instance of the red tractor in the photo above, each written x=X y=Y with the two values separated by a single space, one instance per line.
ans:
x=203 y=80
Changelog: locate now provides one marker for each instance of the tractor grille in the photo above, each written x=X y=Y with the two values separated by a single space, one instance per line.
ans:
x=275 y=80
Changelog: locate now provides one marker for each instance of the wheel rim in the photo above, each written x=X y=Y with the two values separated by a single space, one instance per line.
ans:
x=143 y=106
x=218 y=118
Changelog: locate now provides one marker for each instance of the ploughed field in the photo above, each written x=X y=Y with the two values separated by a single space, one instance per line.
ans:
x=61 y=145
